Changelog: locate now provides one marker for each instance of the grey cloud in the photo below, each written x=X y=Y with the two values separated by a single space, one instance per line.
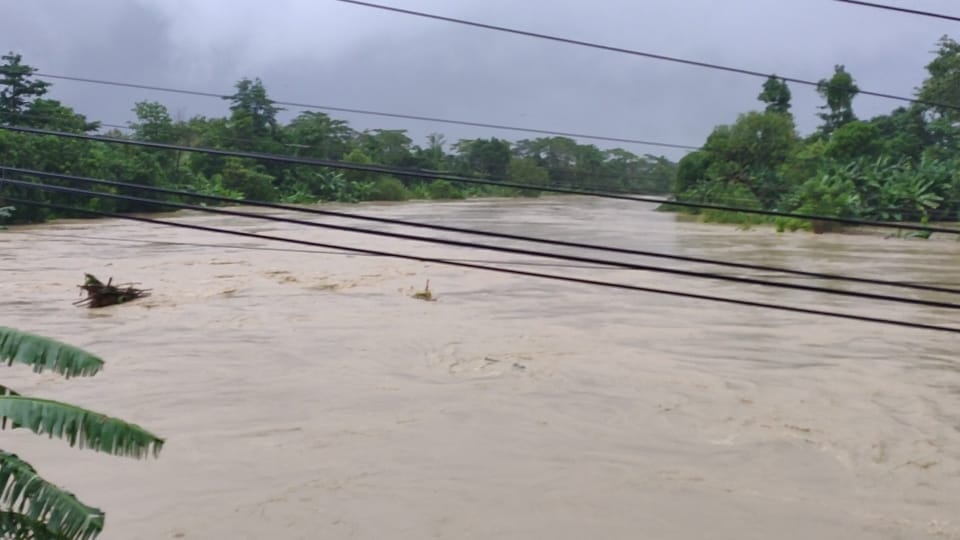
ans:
x=336 y=54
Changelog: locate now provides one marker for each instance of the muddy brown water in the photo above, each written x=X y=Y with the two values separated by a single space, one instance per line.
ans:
x=307 y=395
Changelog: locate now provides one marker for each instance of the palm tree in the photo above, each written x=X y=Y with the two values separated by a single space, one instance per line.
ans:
x=31 y=507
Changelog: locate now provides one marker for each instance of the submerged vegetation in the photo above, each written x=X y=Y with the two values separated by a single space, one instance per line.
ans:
x=426 y=294
x=31 y=507
x=253 y=124
x=903 y=166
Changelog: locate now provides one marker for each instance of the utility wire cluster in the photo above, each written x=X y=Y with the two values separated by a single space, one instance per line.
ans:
x=427 y=174
x=162 y=204
x=901 y=10
x=643 y=54
x=26 y=180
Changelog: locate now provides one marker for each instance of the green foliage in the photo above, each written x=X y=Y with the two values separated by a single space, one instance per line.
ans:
x=943 y=84
x=726 y=194
x=79 y=427
x=526 y=171
x=776 y=94
x=247 y=177
x=388 y=188
x=17 y=89
x=904 y=133
x=854 y=140
x=747 y=154
x=443 y=189
x=386 y=147
x=897 y=167
x=253 y=125
x=358 y=157
x=254 y=114
x=21 y=527
x=44 y=510
x=317 y=135
x=214 y=187
x=829 y=195
x=153 y=123
x=32 y=507
x=486 y=157
x=331 y=185
x=691 y=170
x=838 y=92
x=44 y=354
x=898 y=191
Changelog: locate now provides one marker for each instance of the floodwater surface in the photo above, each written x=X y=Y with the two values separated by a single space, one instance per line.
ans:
x=308 y=395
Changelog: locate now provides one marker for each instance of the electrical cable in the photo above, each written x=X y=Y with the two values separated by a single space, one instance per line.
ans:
x=246 y=247
x=555 y=277
x=905 y=216
x=489 y=247
x=461 y=230
x=632 y=52
x=376 y=113
x=902 y=10
x=334 y=164
x=242 y=140
x=242 y=247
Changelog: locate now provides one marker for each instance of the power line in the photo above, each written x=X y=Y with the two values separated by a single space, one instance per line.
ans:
x=902 y=10
x=461 y=230
x=220 y=137
x=903 y=215
x=489 y=247
x=334 y=164
x=567 y=279
x=379 y=113
x=34 y=234
x=633 y=52
x=246 y=247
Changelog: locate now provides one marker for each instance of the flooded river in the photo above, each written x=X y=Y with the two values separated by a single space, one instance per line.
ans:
x=307 y=395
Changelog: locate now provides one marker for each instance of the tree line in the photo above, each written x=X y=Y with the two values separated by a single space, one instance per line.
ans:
x=902 y=166
x=253 y=125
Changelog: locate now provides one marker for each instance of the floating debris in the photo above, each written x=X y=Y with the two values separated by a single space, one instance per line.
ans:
x=100 y=294
x=425 y=294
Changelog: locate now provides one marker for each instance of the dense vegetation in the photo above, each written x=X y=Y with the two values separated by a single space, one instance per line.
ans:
x=903 y=166
x=253 y=125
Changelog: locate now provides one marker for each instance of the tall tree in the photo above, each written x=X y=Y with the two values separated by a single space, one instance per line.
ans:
x=253 y=122
x=51 y=114
x=153 y=122
x=904 y=132
x=838 y=91
x=319 y=135
x=18 y=90
x=391 y=147
x=747 y=154
x=433 y=155
x=943 y=84
x=490 y=157
x=776 y=94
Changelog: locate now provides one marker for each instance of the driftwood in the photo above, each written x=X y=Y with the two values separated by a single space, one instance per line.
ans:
x=100 y=294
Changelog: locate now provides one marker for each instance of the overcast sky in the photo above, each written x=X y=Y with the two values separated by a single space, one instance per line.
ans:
x=330 y=53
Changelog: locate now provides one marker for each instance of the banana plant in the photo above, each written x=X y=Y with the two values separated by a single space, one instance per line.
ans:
x=898 y=190
x=30 y=506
